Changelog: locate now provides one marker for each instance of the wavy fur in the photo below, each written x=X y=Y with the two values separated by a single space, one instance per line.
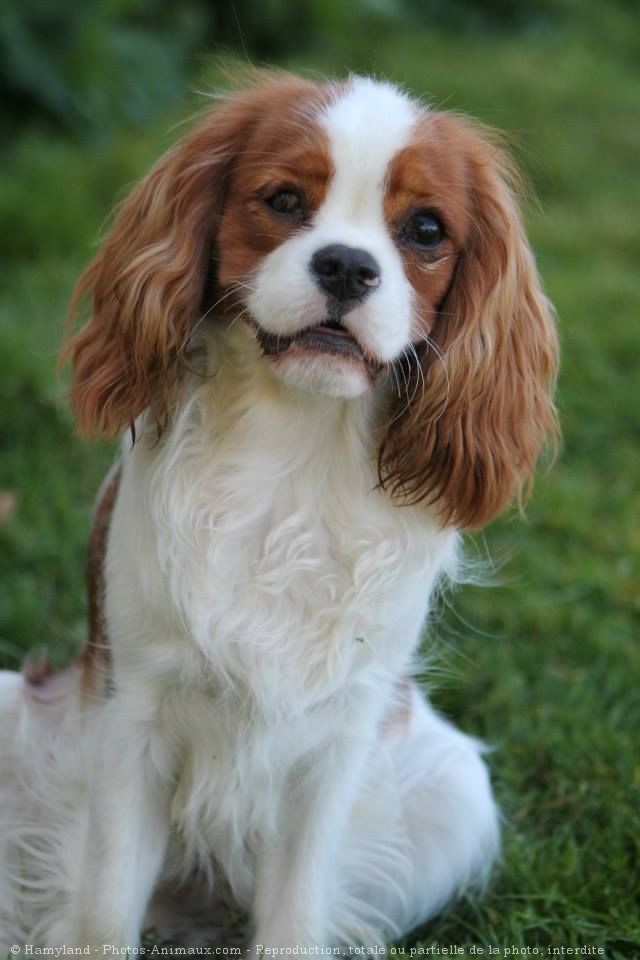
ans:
x=242 y=733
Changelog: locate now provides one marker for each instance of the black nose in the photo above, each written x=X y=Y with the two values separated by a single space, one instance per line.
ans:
x=345 y=273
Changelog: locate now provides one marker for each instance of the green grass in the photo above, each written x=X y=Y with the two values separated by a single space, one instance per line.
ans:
x=544 y=665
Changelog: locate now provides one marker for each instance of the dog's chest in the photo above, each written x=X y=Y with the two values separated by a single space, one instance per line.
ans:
x=267 y=545
x=291 y=575
x=293 y=578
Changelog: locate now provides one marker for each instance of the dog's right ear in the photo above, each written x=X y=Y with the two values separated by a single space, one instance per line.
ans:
x=147 y=281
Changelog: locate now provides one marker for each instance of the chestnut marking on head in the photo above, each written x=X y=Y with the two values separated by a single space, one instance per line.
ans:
x=368 y=243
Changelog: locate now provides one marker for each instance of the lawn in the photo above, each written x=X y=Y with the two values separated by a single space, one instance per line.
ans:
x=544 y=664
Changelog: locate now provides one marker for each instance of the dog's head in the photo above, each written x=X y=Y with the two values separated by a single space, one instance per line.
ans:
x=359 y=236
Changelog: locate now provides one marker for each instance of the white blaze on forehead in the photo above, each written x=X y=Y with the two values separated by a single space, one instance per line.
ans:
x=366 y=126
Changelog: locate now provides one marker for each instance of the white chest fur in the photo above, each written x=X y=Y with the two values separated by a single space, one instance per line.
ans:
x=256 y=534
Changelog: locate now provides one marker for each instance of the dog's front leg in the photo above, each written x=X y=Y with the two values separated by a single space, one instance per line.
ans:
x=296 y=867
x=125 y=835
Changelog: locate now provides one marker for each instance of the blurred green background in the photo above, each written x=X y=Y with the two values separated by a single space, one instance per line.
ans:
x=544 y=664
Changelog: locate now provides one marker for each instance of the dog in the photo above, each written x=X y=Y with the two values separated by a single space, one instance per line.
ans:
x=318 y=326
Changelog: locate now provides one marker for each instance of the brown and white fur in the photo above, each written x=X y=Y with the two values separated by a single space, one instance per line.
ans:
x=305 y=434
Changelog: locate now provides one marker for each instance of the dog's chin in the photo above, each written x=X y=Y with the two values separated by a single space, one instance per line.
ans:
x=323 y=374
x=325 y=359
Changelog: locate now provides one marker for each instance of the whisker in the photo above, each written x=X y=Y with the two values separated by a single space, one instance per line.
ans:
x=238 y=316
x=392 y=367
x=232 y=290
x=431 y=344
x=419 y=369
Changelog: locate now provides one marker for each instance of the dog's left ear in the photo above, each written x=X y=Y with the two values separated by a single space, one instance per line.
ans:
x=482 y=402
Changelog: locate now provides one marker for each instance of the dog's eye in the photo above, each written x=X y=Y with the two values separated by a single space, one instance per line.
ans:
x=287 y=202
x=423 y=230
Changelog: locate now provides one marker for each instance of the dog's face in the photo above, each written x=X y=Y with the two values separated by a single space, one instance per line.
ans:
x=344 y=236
x=360 y=238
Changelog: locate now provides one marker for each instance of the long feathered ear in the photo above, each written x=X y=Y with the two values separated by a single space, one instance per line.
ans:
x=471 y=439
x=146 y=285
x=147 y=281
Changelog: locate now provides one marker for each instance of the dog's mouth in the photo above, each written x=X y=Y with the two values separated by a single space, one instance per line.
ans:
x=329 y=337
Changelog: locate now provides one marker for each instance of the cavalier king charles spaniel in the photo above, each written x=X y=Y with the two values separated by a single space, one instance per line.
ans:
x=319 y=327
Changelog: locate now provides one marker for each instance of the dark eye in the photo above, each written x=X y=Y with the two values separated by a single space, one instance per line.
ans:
x=287 y=202
x=424 y=230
